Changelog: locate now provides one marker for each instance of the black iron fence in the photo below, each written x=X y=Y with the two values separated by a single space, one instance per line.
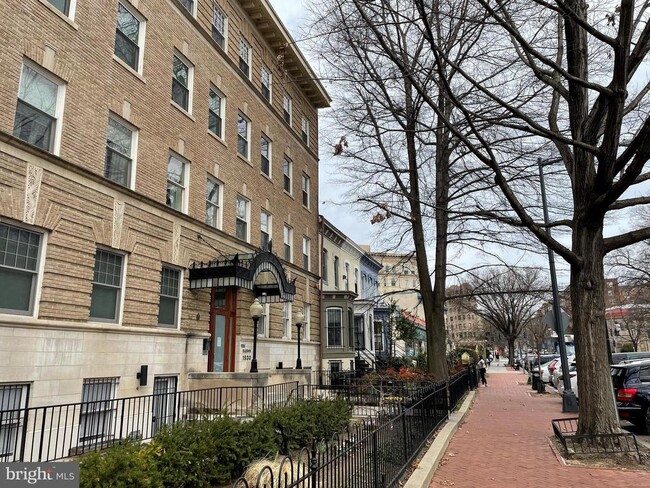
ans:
x=373 y=454
x=566 y=429
x=55 y=432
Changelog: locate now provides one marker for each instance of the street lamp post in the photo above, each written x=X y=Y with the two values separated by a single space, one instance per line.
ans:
x=300 y=319
x=569 y=402
x=256 y=311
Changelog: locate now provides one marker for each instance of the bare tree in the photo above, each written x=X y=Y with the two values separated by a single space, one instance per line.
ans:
x=538 y=331
x=507 y=299
x=564 y=79
x=403 y=160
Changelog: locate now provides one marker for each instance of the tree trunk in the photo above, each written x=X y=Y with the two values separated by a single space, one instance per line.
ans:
x=597 y=407
x=511 y=351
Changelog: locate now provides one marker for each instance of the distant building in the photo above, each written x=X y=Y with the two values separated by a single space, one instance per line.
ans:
x=464 y=326
x=399 y=281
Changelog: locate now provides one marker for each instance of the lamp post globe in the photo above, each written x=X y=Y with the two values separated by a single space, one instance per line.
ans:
x=256 y=311
x=299 y=319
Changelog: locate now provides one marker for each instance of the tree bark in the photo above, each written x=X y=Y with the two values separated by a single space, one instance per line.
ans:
x=511 y=351
x=598 y=413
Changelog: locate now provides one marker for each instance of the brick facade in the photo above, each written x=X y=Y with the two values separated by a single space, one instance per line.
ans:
x=77 y=209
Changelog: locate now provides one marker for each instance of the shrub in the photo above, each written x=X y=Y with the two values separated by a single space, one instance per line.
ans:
x=198 y=454
x=125 y=465
x=307 y=420
x=627 y=347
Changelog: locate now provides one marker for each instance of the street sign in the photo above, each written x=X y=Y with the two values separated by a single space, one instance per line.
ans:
x=549 y=319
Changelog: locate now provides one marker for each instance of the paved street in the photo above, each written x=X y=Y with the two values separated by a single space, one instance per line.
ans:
x=503 y=443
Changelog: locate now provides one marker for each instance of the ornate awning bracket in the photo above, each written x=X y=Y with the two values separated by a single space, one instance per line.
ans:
x=262 y=272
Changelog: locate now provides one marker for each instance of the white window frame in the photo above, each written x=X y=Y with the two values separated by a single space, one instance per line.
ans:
x=324 y=266
x=287 y=108
x=248 y=217
x=142 y=29
x=190 y=81
x=327 y=328
x=186 y=180
x=12 y=423
x=135 y=133
x=60 y=100
x=120 y=311
x=306 y=190
x=304 y=127
x=246 y=156
x=306 y=252
x=72 y=9
x=289 y=176
x=264 y=321
x=286 y=320
x=306 y=324
x=194 y=5
x=105 y=409
x=222 y=110
x=244 y=42
x=219 y=203
x=270 y=157
x=37 y=283
x=215 y=6
x=270 y=84
x=269 y=224
x=287 y=236
x=179 y=298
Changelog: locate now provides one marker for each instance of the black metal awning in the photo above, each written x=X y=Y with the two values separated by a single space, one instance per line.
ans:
x=261 y=272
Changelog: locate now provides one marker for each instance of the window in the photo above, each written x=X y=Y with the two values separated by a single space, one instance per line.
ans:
x=216 y=110
x=288 y=243
x=96 y=416
x=13 y=401
x=120 y=149
x=170 y=287
x=66 y=7
x=245 y=57
x=107 y=286
x=306 y=244
x=356 y=280
x=334 y=327
x=242 y=217
x=393 y=282
x=213 y=195
x=325 y=265
x=286 y=108
x=219 y=25
x=266 y=82
x=286 y=171
x=20 y=251
x=182 y=73
x=243 y=136
x=306 y=311
x=176 y=183
x=164 y=401
x=265 y=229
x=263 y=322
x=347 y=276
x=286 y=320
x=129 y=35
x=189 y=5
x=39 y=109
x=265 y=150
x=305 y=130
x=336 y=271
x=359 y=332
x=305 y=190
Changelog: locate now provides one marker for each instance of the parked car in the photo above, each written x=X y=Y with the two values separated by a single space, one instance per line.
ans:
x=557 y=370
x=632 y=388
x=619 y=357
x=544 y=358
x=547 y=369
x=573 y=378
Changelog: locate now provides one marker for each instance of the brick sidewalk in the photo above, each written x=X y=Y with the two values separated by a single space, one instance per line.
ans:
x=503 y=443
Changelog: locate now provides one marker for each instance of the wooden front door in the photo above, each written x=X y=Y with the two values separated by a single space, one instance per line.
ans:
x=223 y=330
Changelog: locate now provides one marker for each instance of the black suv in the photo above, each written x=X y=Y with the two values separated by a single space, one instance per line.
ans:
x=632 y=387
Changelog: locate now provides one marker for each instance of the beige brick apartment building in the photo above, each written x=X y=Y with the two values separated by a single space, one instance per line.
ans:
x=144 y=144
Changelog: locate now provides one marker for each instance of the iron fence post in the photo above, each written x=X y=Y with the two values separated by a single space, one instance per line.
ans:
x=23 y=436
x=313 y=464
x=40 y=447
x=122 y=419
x=375 y=460
x=406 y=451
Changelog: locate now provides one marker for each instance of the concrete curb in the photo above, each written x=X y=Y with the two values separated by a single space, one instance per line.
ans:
x=423 y=474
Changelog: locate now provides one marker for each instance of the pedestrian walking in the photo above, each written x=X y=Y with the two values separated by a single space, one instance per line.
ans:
x=481 y=369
